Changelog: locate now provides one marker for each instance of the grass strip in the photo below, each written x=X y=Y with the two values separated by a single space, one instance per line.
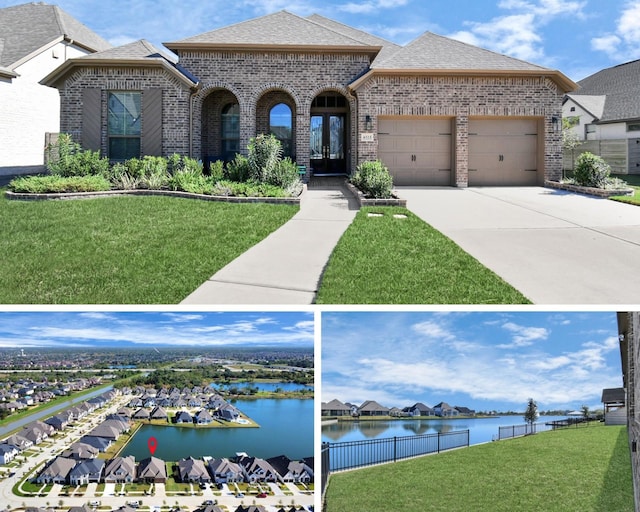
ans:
x=586 y=469
x=123 y=250
x=394 y=257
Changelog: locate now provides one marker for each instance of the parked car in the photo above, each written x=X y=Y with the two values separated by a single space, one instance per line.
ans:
x=239 y=495
x=203 y=485
x=262 y=495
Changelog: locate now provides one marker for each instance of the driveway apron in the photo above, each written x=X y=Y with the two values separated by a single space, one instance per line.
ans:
x=285 y=267
x=553 y=246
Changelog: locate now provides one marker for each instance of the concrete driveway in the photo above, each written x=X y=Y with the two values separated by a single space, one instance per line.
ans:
x=554 y=247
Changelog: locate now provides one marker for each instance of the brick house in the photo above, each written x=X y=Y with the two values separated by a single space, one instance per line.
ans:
x=436 y=111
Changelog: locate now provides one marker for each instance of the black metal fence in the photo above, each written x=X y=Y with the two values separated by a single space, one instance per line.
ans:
x=357 y=454
x=525 y=429
x=324 y=457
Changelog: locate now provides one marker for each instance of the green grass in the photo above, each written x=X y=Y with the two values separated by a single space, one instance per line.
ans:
x=385 y=260
x=634 y=182
x=585 y=469
x=123 y=250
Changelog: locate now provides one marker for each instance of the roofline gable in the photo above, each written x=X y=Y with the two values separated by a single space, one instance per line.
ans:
x=562 y=81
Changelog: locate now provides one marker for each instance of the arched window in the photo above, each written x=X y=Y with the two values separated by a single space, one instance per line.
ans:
x=230 y=135
x=281 y=125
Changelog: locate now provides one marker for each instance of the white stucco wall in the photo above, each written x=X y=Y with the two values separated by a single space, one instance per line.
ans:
x=585 y=117
x=610 y=131
x=28 y=110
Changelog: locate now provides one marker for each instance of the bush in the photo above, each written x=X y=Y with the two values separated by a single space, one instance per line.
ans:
x=591 y=171
x=57 y=184
x=284 y=174
x=237 y=169
x=67 y=158
x=265 y=152
x=373 y=179
x=247 y=189
x=216 y=170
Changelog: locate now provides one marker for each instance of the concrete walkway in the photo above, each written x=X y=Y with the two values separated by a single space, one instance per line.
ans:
x=285 y=267
x=554 y=247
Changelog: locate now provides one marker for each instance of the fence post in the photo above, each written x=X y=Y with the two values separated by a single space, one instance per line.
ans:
x=395 y=446
x=438 y=442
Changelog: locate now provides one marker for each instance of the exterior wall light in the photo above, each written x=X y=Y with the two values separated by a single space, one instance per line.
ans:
x=368 y=124
x=555 y=121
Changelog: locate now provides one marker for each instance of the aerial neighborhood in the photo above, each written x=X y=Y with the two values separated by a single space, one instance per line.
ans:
x=372 y=408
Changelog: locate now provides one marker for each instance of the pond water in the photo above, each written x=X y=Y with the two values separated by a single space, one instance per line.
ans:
x=481 y=430
x=265 y=386
x=286 y=428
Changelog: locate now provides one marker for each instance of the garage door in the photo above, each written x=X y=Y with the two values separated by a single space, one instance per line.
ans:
x=416 y=151
x=503 y=152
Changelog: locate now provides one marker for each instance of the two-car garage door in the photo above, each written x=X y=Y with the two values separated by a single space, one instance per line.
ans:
x=420 y=151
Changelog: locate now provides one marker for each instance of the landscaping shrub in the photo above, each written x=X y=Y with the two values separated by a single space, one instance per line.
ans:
x=57 y=184
x=247 y=189
x=237 y=169
x=265 y=153
x=216 y=170
x=591 y=171
x=373 y=179
x=67 y=158
x=190 y=178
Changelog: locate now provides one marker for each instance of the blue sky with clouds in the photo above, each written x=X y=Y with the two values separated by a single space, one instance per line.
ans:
x=578 y=37
x=482 y=360
x=155 y=329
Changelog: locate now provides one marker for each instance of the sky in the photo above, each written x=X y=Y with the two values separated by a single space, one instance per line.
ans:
x=155 y=329
x=484 y=361
x=577 y=37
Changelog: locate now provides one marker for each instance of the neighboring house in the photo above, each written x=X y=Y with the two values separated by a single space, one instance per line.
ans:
x=372 y=408
x=420 y=409
x=228 y=412
x=101 y=443
x=258 y=470
x=8 y=452
x=120 y=470
x=141 y=414
x=80 y=451
x=193 y=470
x=203 y=417
x=57 y=471
x=436 y=111
x=224 y=471
x=35 y=39
x=335 y=408
x=605 y=113
x=58 y=422
x=19 y=441
x=615 y=411
x=292 y=470
x=183 y=417
x=152 y=469
x=158 y=414
x=465 y=411
x=86 y=472
x=444 y=409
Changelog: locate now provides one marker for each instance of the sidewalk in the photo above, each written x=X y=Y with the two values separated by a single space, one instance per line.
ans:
x=285 y=267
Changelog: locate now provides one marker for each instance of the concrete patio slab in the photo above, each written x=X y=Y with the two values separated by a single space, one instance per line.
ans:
x=285 y=267
x=555 y=247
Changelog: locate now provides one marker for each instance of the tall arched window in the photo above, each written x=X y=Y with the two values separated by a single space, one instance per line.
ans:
x=281 y=125
x=230 y=135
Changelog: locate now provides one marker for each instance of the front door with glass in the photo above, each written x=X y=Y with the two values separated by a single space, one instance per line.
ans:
x=327 y=148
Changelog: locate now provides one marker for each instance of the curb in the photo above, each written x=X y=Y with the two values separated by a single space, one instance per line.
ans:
x=592 y=191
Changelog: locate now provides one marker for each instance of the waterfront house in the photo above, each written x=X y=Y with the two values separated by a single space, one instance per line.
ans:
x=8 y=452
x=120 y=470
x=443 y=409
x=292 y=470
x=86 y=472
x=465 y=410
x=203 y=417
x=101 y=443
x=258 y=470
x=372 y=408
x=228 y=412
x=193 y=470
x=152 y=469
x=335 y=408
x=57 y=471
x=141 y=414
x=158 y=413
x=106 y=431
x=420 y=409
x=182 y=417
x=224 y=471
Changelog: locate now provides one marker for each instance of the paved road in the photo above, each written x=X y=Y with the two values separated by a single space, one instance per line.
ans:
x=555 y=247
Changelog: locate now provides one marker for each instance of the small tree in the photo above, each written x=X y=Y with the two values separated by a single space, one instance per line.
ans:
x=585 y=411
x=531 y=414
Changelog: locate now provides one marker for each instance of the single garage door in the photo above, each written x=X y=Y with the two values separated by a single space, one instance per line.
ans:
x=503 y=152
x=416 y=151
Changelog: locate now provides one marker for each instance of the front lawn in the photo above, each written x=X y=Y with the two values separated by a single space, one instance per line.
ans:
x=634 y=182
x=383 y=259
x=123 y=250
x=585 y=469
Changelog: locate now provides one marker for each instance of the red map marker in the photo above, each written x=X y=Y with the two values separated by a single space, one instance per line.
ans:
x=152 y=443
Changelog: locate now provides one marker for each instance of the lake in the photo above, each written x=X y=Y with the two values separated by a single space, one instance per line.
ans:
x=286 y=428
x=481 y=430
x=265 y=386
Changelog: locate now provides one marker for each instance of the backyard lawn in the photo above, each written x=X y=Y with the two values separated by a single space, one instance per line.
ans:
x=384 y=259
x=585 y=469
x=123 y=250
x=634 y=181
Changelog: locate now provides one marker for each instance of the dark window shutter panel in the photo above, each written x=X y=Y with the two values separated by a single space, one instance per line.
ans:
x=152 y=122
x=91 y=119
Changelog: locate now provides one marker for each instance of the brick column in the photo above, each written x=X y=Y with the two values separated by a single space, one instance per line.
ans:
x=462 y=150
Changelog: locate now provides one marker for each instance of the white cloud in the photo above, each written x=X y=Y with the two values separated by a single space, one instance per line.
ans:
x=432 y=330
x=370 y=6
x=523 y=336
x=624 y=42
